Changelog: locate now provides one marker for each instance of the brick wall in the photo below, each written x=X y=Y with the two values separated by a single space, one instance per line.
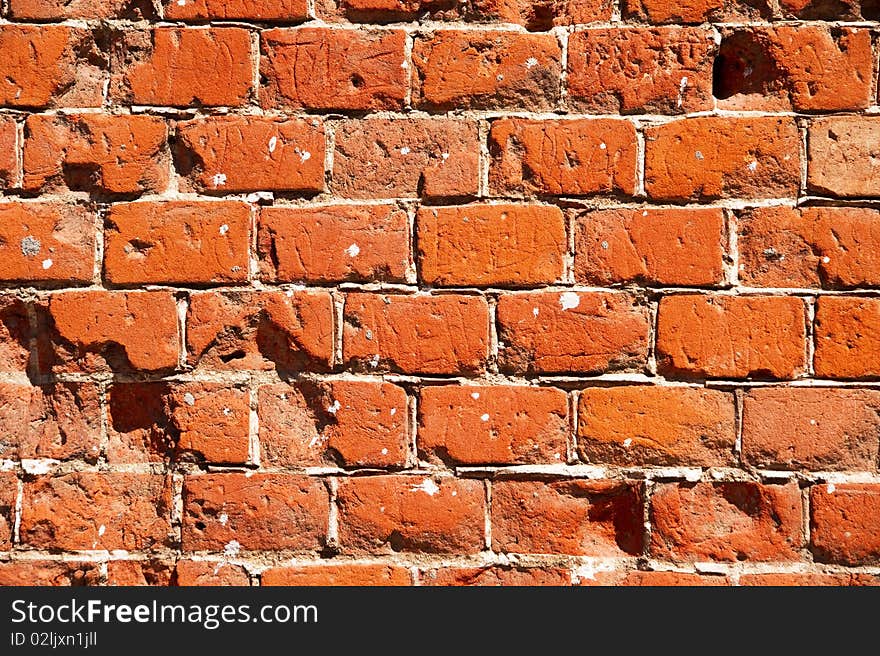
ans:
x=441 y=292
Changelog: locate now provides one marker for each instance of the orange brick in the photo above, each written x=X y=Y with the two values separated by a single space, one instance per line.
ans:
x=840 y=155
x=845 y=523
x=847 y=332
x=258 y=10
x=341 y=574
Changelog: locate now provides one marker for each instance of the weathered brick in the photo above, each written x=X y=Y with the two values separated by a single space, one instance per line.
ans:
x=539 y=15
x=649 y=425
x=819 y=9
x=697 y=11
x=706 y=158
x=718 y=336
x=682 y=246
x=638 y=70
x=152 y=572
x=806 y=579
x=466 y=69
x=152 y=422
x=177 y=242
x=559 y=332
x=841 y=155
x=726 y=522
x=49 y=573
x=258 y=10
x=57 y=420
x=181 y=67
x=97 y=510
x=15 y=331
x=50 y=66
x=845 y=523
x=803 y=68
x=334 y=243
x=204 y=573
x=98 y=153
x=822 y=247
x=811 y=428
x=10 y=164
x=563 y=157
x=265 y=330
x=470 y=425
x=496 y=576
x=327 y=69
x=338 y=574
x=8 y=497
x=44 y=10
x=420 y=157
x=847 y=333
x=444 y=334
x=348 y=423
x=491 y=245
x=46 y=242
x=99 y=330
x=579 y=517
x=385 y=514
x=232 y=511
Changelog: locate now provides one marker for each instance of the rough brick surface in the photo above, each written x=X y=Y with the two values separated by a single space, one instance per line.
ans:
x=491 y=245
x=639 y=425
x=439 y=292
x=731 y=337
x=563 y=158
x=553 y=332
x=653 y=247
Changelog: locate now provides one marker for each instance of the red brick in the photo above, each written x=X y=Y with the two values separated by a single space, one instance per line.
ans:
x=57 y=420
x=97 y=510
x=48 y=573
x=338 y=574
x=638 y=70
x=427 y=157
x=496 y=576
x=327 y=69
x=726 y=522
x=845 y=523
x=98 y=153
x=697 y=11
x=152 y=422
x=84 y=9
x=154 y=572
x=266 y=330
x=821 y=247
x=841 y=155
x=682 y=246
x=177 y=242
x=819 y=9
x=334 y=243
x=385 y=514
x=99 y=330
x=204 y=573
x=539 y=15
x=847 y=331
x=641 y=425
x=811 y=428
x=233 y=154
x=803 y=68
x=706 y=158
x=578 y=517
x=349 y=423
x=50 y=66
x=8 y=496
x=14 y=335
x=446 y=334
x=806 y=579
x=46 y=242
x=387 y=11
x=562 y=157
x=258 y=10
x=638 y=578
x=588 y=332
x=471 y=425
x=232 y=511
x=715 y=336
x=9 y=159
x=182 y=67
x=491 y=245
x=458 y=69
